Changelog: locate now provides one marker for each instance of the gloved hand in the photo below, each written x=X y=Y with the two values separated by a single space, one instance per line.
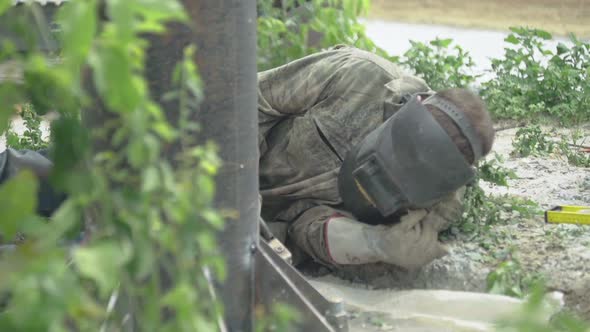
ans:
x=411 y=243
x=449 y=209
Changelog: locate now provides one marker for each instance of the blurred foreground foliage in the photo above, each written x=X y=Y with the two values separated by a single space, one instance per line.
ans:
x=149 y=241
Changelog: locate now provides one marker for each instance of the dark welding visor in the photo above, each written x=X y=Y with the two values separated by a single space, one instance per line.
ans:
x=409 y=161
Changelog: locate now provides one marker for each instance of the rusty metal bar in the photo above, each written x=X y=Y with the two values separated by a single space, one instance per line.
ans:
x=278 y=282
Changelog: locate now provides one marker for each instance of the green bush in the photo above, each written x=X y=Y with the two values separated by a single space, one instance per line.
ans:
x=493 y=172
x=291 y=29
x=438 y=64
x=32 y=138
x=532 y=80
x=509 y=278
x=529 y=81
x=570 y=147
x=481 y=211
x=531 y=140
x=163 y=228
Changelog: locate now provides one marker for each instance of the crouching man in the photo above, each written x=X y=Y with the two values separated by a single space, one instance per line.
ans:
x=360 y=162
x=363 y=163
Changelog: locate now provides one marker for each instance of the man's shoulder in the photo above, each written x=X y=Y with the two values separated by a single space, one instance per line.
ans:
x=368 y=60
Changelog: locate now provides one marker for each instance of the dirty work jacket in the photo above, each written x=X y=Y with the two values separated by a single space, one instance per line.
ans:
x=311 y=113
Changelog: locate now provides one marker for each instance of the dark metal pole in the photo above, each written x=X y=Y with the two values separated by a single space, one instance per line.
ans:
x=225 y=35
x=224 y=32
x=226 y=55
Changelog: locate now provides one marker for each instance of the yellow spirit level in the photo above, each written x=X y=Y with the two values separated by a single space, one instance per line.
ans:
x=568 y=215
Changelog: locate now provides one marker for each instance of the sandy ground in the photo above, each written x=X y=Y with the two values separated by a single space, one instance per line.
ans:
x=559 y=17
x=548 y=181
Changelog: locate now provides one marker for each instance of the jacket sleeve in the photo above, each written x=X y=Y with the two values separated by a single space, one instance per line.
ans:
x=308 y=234
x=295 y=87
x=12 y=161
x=292 y=89
x=308 y=231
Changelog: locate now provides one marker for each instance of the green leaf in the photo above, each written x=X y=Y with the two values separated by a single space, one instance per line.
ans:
x=137 y=153
x=78 y=27
x=165 y=131
x=10 y=96
x=543 y=34
x=18 y=200
x=151 y=179
x=181 y=296
x=47 y=87
x=512 y=39
x=71 y=143
x=516 y=291
x=4 y=5
x=441 y=42
x=157 y=12
x=153 y=145
x=167 y=174
x=113 y=75
x=67 y=222
x=145 y=260
x=206 y=187
x=518 y=30
x=207 y=242
x=213 y=218
x=102 y=262
x=562 y=48
x=122 y=16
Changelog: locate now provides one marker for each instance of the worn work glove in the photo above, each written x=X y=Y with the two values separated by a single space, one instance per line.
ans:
x=449 y=209
x=411 y=243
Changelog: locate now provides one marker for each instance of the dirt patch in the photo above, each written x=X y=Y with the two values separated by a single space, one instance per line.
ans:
x=547 y=180
x=578 y=297
x=560 y=254
x=559 y=17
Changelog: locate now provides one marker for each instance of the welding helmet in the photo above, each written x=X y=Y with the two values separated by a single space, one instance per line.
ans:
x=409 y=161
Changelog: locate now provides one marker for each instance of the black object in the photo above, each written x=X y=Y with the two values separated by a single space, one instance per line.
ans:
x=461 y=121
x=407 y=162
x=42 y=38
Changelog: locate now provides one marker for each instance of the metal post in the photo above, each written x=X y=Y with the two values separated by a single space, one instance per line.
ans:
x=225 y=36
